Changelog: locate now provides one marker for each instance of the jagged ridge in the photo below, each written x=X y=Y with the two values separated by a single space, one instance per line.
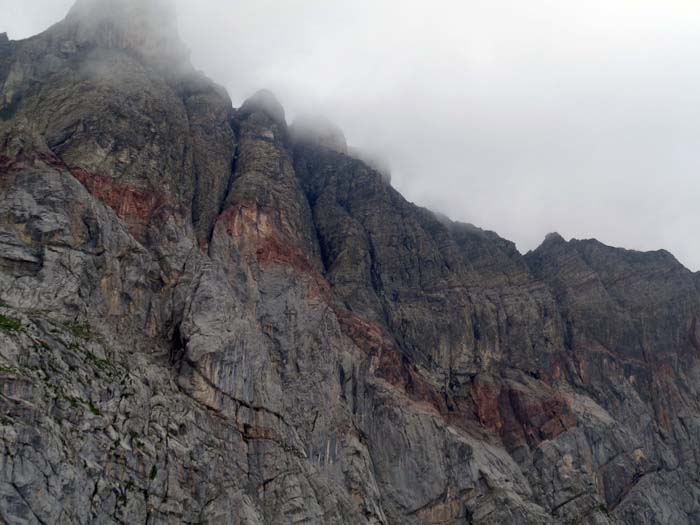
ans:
x=207 y=318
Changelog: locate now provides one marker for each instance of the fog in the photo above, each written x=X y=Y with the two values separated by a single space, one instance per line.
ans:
x=520 y=117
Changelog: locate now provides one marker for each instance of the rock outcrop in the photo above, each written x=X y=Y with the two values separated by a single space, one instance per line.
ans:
x=205 y=318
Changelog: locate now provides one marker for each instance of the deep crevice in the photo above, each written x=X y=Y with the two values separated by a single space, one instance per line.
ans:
x=227 y=192
x=177 y=347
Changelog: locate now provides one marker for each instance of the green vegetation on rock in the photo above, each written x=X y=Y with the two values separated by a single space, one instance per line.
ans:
x=81 y=330
x=9 y=325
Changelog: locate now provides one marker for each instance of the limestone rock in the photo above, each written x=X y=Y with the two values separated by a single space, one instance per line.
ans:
x=205 y=319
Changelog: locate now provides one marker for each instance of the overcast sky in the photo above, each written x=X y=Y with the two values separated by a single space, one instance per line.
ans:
x=523 y=117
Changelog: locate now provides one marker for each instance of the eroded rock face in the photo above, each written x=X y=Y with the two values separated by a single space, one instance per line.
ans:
x=206 y=320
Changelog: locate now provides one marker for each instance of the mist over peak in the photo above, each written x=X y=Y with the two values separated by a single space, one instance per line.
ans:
x=318 y=130
x=148 y=27
x=266 y=102
x=125 y=11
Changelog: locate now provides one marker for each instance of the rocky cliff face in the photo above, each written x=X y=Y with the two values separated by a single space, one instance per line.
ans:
x=207 y=318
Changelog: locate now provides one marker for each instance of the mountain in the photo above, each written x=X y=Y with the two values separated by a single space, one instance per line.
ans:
x=208 y=316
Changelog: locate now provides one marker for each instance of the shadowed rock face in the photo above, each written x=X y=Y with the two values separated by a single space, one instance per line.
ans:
x=205 y=320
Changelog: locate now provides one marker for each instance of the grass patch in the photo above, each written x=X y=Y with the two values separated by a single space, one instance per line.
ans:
x=77 y=402
x=135 y=439
x=74 y=402
x=603 y=509
x=101 y=364
x=80 y=330
x=41 y=345
x=9 y=325
x=10 y=370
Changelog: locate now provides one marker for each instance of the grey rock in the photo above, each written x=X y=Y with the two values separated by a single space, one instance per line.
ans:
x=206 y=318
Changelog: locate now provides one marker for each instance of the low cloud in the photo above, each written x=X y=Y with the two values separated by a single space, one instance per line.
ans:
x=521 y=117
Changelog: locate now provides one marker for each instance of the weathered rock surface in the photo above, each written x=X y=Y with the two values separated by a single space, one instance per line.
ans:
x=207 y=319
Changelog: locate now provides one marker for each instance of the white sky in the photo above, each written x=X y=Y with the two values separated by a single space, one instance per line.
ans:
x=520 y=117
